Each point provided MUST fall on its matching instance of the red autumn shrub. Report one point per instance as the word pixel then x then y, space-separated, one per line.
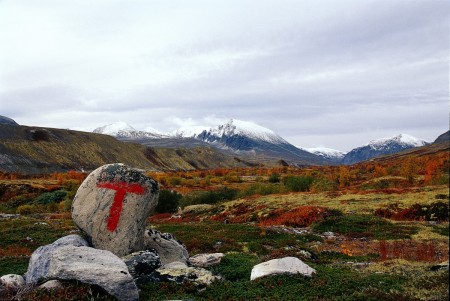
pixel 435 211
pixel 425 251
pixel 302 216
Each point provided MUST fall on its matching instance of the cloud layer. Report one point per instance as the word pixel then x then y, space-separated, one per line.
pixel 315 72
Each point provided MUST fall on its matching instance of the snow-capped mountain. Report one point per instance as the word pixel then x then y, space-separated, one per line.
pixel 239 128
pixel 246 137
pixel 327 153
pixel 380 147
pixel 123 130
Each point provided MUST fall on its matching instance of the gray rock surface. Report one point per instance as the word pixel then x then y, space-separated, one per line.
pixel 91 266
pixel 41 257
pixel 206 260
pixel 112 205
pixel 12 281
pixel 179 272
pixel 142 264
pixel 167 246
pixel 8 215
pixel 286 265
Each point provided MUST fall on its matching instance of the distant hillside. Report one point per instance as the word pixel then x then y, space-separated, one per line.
pixel 35 150
pixel 6 120
pixel 443 138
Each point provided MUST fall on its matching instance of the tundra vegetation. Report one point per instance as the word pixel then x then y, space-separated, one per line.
pixel 373 231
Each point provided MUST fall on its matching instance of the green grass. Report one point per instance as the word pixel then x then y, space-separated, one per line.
pixel 442 230
pixel 364 225
pixel 219 237
pixel 328 284
pixel 13 265
pixel 14 232
pixel 236 266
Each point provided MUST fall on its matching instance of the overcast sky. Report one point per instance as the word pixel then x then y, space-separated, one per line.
pixel 319 73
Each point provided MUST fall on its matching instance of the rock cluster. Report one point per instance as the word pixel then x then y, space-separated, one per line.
pixel 116 251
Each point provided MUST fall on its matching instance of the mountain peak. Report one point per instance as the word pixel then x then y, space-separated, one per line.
pixel 125 131
pixel 245 128
pixel 401 139
pixel 326 152
pixel 115 128
pixel 384 146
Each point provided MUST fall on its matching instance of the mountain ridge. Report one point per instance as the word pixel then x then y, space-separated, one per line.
pixel 381 147
pixel 38 150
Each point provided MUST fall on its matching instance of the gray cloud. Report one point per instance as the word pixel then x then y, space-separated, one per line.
pixel 315 72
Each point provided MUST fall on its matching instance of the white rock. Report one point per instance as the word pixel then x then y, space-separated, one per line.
pixel 12 281
pixel 286 265
pixel 112 205
pixel 206 260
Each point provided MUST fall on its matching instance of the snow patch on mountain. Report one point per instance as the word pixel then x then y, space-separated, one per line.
pixel 244 128
pixel 325 152
pixel 189 131
pixel 122 129
pixel 115 128
pixel 401 139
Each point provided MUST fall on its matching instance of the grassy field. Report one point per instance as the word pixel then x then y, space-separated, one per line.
pixel 384 243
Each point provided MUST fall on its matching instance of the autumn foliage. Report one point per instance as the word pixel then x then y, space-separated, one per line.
pixel 302 216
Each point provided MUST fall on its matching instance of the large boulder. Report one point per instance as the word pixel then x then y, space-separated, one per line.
pixel 167 246
pixel 112 205
pixel 286 265
pixel 40 259
pixel 87 265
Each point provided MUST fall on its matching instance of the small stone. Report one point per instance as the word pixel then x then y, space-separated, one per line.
pixel 304 254
pixel 51 285
pixel 166 245
pixel 41 224
pixel 286 265
pixel 206 260
pixel 12 281
pixel 329 234
pixel 8 215
pixel 441 266
pixel 112 205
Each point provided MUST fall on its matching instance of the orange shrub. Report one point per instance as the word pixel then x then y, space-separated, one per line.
pixel 302 216
pixel 412 250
